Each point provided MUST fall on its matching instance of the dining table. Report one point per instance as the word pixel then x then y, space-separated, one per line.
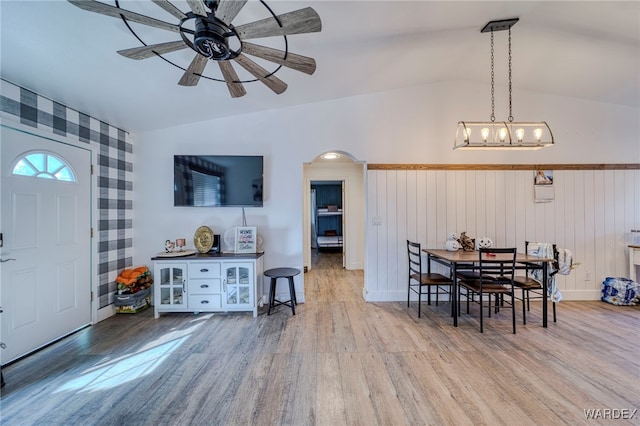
pixel 461 260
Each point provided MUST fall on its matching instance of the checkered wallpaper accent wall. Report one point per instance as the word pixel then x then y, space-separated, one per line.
pixel 114 174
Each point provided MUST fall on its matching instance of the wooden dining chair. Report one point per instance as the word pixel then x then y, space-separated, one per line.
pixel 420 281
pixel 495 280
pixel 528 285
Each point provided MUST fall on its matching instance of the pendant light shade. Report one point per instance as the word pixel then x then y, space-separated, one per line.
pixel 502 134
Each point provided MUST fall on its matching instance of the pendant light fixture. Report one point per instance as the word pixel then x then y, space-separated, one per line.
pixel 502 134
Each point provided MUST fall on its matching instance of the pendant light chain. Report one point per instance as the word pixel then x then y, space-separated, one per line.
pixel 493 100
pixel 510 107
pixel 504 133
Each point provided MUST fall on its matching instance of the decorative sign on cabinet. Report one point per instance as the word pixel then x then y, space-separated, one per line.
pixel 220 282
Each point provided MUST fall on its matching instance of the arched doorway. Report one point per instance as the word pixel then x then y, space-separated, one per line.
pixel 343 216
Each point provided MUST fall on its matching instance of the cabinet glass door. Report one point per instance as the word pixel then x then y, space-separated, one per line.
pixel 239 280
pixel 172 285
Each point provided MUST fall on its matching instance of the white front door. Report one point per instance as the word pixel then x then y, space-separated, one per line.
pixel 46 246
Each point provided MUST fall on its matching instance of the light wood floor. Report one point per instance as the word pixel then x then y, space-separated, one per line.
pixel 338 361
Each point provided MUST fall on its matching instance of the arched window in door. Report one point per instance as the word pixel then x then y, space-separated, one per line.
pixel 44 165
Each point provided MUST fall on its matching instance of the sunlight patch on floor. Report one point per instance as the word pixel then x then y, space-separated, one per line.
pixel 116 372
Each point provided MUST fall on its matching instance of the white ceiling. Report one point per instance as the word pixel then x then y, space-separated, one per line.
pixel 587 50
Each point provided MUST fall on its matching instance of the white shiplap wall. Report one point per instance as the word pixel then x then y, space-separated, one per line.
pixel 592 214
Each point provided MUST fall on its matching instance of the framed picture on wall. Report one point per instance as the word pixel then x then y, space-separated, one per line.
pixel 246 239
pixel 543 177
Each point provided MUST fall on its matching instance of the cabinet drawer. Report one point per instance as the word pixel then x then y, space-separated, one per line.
pixel 205 302
pixel 205 286
pixel 204 270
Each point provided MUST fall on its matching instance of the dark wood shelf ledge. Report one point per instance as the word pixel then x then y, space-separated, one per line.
pixel 380 166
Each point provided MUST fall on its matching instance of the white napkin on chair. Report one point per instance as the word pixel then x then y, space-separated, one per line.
pixel 565 261
pixel 545 250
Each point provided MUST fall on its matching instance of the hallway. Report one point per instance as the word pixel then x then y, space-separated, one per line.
pixel 329 282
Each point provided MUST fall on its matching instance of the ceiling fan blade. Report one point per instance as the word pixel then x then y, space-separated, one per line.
pixel 192 75
pixel 297 22
pixel 236 89
pixel 272 82
pixel 151 50
pixel 293 61
pixel 229 9
pixel 116 12
pixel 169 7
pixel 197 7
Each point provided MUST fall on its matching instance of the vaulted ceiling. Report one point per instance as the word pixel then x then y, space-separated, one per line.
pixel 588 50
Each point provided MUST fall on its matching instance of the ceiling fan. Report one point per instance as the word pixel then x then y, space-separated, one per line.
pixel 207 29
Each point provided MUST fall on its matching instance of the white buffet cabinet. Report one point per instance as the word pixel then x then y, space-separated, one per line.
pixel 224 282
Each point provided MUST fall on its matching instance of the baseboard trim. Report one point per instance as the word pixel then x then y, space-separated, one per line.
pixel 106 312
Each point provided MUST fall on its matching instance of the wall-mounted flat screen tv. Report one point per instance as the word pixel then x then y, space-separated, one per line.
pixel 217 180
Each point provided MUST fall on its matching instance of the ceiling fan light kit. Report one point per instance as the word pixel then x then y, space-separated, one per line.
pixel 211 40
pixel 508 134
pixel 215 38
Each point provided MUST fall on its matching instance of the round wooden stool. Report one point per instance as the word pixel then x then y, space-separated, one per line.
pixel 274 274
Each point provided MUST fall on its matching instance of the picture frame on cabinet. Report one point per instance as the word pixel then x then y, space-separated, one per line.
pixel 246 239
